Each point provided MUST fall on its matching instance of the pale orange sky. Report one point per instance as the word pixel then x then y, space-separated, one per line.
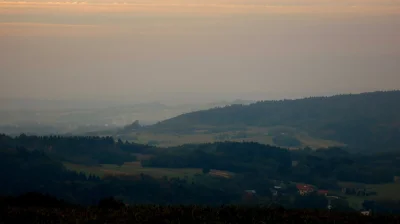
pixel 127 49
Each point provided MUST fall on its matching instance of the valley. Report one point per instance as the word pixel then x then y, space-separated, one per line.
pixel 229 154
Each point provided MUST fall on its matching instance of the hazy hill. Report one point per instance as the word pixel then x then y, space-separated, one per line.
pixel 367 120
pixel 57 117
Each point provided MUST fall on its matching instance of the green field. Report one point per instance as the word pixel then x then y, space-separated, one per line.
pixel 263 135
pixel 131 169
pixel 386 191
pixel 389 191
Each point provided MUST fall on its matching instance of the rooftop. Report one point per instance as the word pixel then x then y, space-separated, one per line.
pixel 323 191
pixel 304 187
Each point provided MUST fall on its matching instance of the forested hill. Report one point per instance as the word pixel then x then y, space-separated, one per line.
pixel 364 121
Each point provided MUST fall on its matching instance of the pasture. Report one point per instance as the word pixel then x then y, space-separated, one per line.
pixel 133 168
pixel 263 135
pixel 389 191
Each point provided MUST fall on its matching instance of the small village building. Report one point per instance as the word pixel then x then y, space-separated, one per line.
pixel 366 213
pixel 305 189
pixel 323 192
pixel 250 192
pixel 275 191
pixel 249 195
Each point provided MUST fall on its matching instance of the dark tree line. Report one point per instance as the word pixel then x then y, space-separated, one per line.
pixel 23 171
pixel 255 166
pixel 323 167
pixel 235 157
pixel 114 212
pixel 87 150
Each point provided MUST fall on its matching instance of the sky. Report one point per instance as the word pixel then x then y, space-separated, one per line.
pixel 194 50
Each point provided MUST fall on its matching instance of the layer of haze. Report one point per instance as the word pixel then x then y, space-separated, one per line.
pixel 193 50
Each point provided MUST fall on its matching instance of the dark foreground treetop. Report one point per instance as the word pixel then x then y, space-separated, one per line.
pixel 182 214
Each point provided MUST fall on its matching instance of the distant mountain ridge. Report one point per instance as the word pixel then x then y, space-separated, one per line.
pixel 363 121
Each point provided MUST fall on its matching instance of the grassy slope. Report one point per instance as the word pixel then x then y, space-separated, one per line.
pixel 202 135
pixel 389 191
pixel 131 169
pixel 368 120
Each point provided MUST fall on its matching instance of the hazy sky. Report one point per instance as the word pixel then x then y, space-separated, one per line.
pixel 181 49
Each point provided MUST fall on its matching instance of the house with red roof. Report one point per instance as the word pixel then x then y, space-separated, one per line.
pixel 304 189
pixel 322 192
pixel 249 195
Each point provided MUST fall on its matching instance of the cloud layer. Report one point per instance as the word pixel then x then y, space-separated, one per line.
pixel 24 17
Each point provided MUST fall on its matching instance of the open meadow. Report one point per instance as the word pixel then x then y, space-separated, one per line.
pixel 263 135
pixel 388 191
pixel 133 168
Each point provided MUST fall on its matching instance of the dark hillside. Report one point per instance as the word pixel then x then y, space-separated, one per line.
pixel 76 149
pixel 227 173
pixel 368 120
